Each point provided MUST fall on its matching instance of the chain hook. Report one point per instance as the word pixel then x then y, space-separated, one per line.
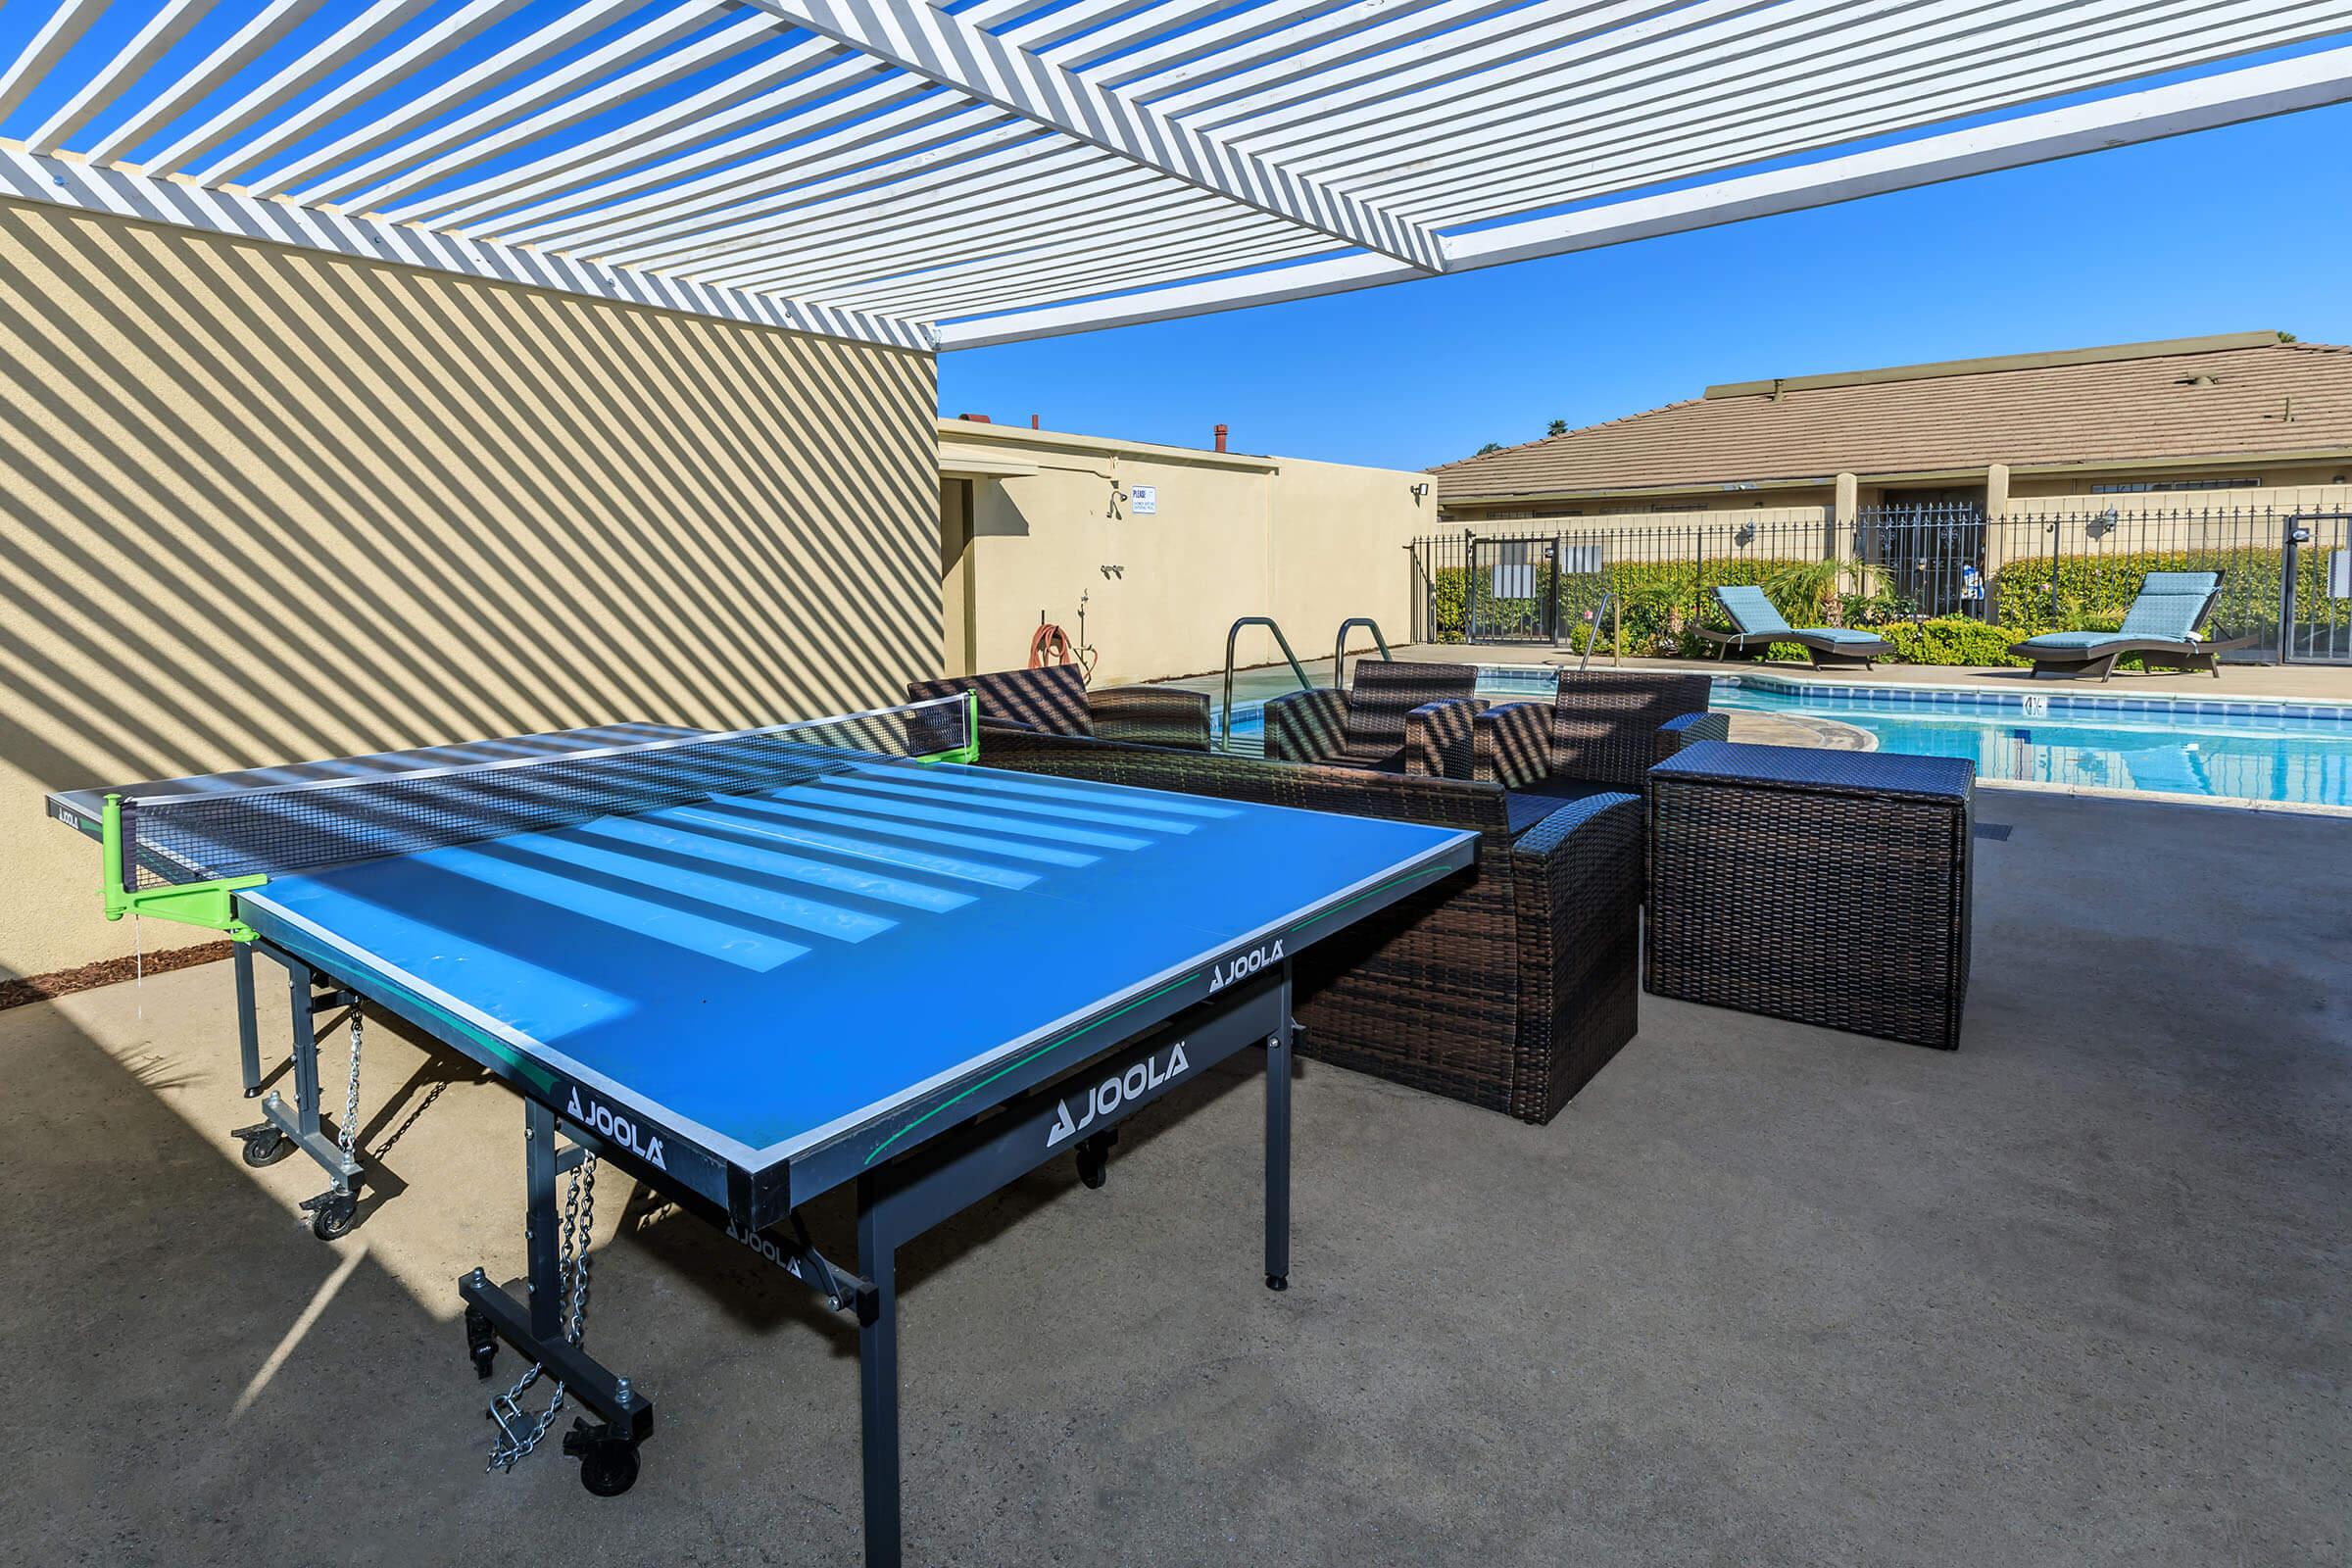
pixel 518 1431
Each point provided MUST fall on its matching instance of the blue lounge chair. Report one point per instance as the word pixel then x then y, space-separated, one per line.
pixel 1760 626
pixel 2161 627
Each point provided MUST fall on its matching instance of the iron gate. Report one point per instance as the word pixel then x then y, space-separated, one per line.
pixel 1510 591
pixel 1530 588
pixel 2315 611
pixel 1929 556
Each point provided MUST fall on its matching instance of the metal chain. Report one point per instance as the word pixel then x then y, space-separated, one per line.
pixel 347 1132
pixel 519 1433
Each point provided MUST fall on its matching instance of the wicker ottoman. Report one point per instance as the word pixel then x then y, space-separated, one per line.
pixel 1828 887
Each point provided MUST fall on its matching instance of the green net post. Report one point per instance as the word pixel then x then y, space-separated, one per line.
pixel 209 904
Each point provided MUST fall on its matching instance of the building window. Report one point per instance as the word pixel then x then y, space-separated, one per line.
pixel 2145 486
pixel 1678 505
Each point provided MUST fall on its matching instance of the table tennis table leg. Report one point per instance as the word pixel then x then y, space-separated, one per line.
pixel 287 1129
pixel 249 1029
pixel 541 1224
pixel 878 1374
pixel 1278 1146
pixel 306 1055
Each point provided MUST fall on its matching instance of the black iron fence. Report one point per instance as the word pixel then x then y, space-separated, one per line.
pixel 2029 571
pixel 1547 587
pixel 1930 569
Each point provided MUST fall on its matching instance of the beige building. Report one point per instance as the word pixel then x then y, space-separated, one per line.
pixel 2191 421
pixel 1162 548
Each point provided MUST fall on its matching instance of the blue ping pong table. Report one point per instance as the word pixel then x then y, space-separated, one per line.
pixel 919 979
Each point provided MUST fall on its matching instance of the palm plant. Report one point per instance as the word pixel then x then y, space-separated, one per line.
pixel 1809 594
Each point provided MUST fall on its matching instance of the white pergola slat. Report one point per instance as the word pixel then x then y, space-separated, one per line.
pixel 893 171
pixel 151 43
pixel 260 32
pixel 42 52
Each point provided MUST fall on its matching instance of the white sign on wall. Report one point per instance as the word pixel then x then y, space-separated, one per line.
pixel 1143 500
pixel 1514 581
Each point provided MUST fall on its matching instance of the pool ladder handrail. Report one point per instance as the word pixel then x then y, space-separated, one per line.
pixel 1233 636
pixel 1600 612
pixel 1338 651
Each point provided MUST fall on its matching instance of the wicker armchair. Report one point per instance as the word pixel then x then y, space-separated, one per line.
pixel 1394 718
pixel 1509 986
pixel 1055 701
pixel 1602 730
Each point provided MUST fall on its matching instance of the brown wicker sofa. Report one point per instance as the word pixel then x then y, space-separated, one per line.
pixel 1601 730
pixel 1054 699
pixel 1393 718
pixel 1507 987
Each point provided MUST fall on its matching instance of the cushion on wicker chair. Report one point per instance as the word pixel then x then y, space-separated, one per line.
pixel 2167 608
pixel 1052 699
pixel 1381 697
pixel 1756 616
pixel 2170 604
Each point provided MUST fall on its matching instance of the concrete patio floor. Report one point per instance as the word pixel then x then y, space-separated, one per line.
pixel 1763 1294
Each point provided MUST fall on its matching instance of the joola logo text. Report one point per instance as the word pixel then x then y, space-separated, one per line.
pixel 600 1121
pixel 1241 968
pixel 1106 1097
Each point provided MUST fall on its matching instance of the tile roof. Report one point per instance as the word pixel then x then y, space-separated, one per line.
pixel 2127 406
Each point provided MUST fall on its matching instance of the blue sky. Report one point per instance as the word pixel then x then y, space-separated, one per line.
pixel 2226 231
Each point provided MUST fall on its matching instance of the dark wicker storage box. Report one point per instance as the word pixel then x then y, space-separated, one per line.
pixel 1828 887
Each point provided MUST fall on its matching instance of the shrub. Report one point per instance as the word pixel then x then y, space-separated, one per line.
pixel 1949 640
pixel 2086 593
pixel 1656 599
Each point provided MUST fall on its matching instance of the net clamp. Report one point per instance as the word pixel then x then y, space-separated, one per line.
pixel 209 904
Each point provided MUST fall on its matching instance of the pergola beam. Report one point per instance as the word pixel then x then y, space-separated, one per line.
pixel 941 47
pixel 2228 98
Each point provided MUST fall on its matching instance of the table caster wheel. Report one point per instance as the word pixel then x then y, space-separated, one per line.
pixel 481 1342
pixel 1278 1282
pixel 332 1216
pixel 607 1463
pixel 264 1144
pixel 1094 1158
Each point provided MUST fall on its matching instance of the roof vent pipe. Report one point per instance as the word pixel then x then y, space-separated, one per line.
pixel 1220 434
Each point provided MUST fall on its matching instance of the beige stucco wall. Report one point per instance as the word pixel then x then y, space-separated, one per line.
pixel 1307 543
pixel 260 505
pixel 2282 489
pixel 1616 513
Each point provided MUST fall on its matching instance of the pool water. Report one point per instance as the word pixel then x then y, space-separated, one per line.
pixel 2239 751
pixel 2222 749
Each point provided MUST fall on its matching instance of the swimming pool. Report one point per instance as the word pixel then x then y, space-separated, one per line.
pixel 2219 748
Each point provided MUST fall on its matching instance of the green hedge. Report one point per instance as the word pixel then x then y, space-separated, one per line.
pixel 1654 603
pixel 2084 592
pixel 1657 602
pixel 1949 640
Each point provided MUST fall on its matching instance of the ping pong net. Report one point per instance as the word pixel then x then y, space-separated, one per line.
pixel 239 834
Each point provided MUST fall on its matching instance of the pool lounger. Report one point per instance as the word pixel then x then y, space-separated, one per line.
pixel 1760 626
pixel 2161 627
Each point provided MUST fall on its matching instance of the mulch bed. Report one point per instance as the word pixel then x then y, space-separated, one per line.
pixel 106 972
